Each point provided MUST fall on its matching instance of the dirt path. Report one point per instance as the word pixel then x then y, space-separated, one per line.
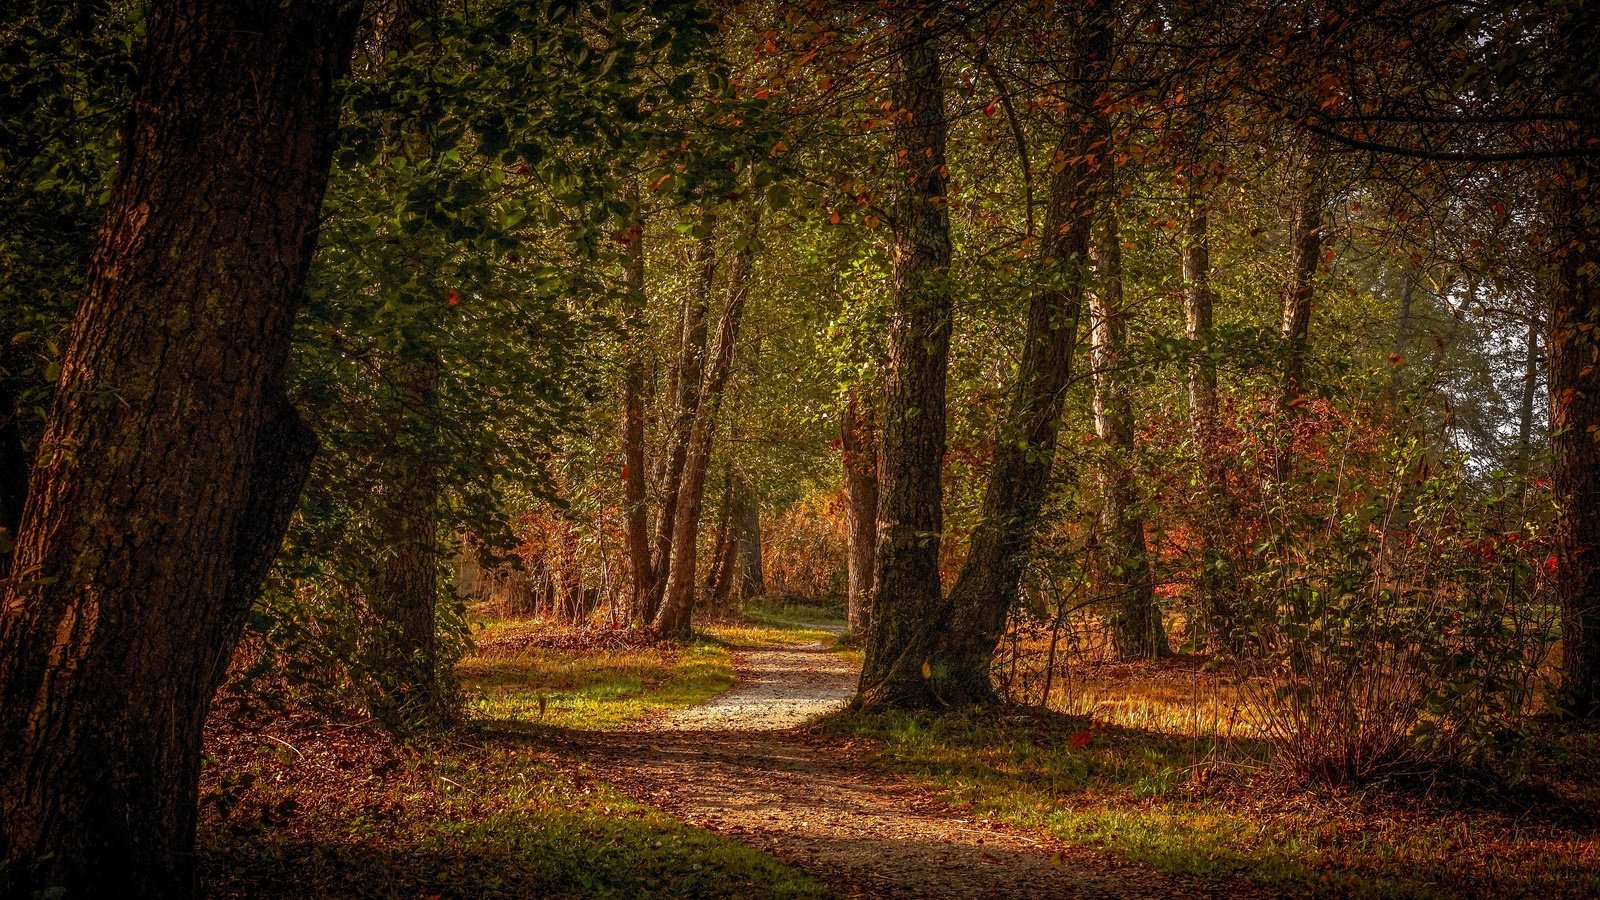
pixel 740 766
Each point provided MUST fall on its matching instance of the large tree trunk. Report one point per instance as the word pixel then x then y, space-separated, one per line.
pixel 908 607
pixel 990 578
pixel 677 606
pixel 1125 577
pixel 858 435
pixel 144 545
pixel 636 508
pixel 1574 375
pixel 13 475
pixel 687 380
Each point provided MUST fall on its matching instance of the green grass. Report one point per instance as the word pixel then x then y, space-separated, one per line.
pixel 592 689
pixel 1194 807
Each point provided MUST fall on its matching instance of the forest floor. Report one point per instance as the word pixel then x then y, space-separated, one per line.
pixel 601 764
pixel 743 766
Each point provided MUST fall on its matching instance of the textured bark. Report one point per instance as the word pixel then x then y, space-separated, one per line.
pixel 908 602
pixel 858 434
pixel 13 475
pixel 1124 570
pixel 1574 375
pixel 687 380
pixel 636 509
pixel 677 605
pixel 404 591
pixel 745 539
pixel 987 587
pixel 1214 589
pixel 172 460
pixel 1298 294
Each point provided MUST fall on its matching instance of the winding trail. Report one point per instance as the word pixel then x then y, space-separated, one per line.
pixel 741 765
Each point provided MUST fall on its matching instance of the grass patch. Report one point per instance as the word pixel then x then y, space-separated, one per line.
pixel 591 689
pixel 1197 806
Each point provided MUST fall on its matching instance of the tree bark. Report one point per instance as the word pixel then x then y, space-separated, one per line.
pixel 636 509
pixel 909 609
pixel 1298 294
pixel 1213 587
pixel 745 537
pixel 987 587
pixel 677 606
pixel 405 587
pixel 858 434
pixel 13 475
pixel 172 459
pixel 1574 378
pixel 1136 629
pixel 687 378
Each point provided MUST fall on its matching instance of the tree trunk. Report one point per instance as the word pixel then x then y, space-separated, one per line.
pixel 636 511
pixel 1574 376
pixel 13 475
pixel 1214 588
pixel 145 545
pixel 745 537
pixel 1019 477
pixel 687 380
pixel 677 606
pixel 908 604
pixel 858 434
pixel 724 552
pixel 1530 389
pixel 1136 629
pixel 1298 294
pixel 404 591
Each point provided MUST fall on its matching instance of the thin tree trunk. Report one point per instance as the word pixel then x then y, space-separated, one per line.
pixel 636 531
pixel 987 587
pixel 677 606
pixel 723 549
pixel 909 609
pixel 858 434
pixel 151 537
pixel 1530 389
pixel 687 380
pixel 1301 289
pixel 1213 587
pixel 1136 629
pixel 745 536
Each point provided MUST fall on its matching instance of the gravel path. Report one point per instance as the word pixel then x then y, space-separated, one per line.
pixel 740 766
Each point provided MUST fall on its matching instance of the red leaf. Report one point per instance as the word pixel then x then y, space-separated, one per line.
pixel 1080 740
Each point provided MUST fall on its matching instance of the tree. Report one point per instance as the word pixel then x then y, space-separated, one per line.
pixel 858 438
pixel 173 458
pixel 1126 580
pixel 677 606
pixel 988 584
pixel 908 601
